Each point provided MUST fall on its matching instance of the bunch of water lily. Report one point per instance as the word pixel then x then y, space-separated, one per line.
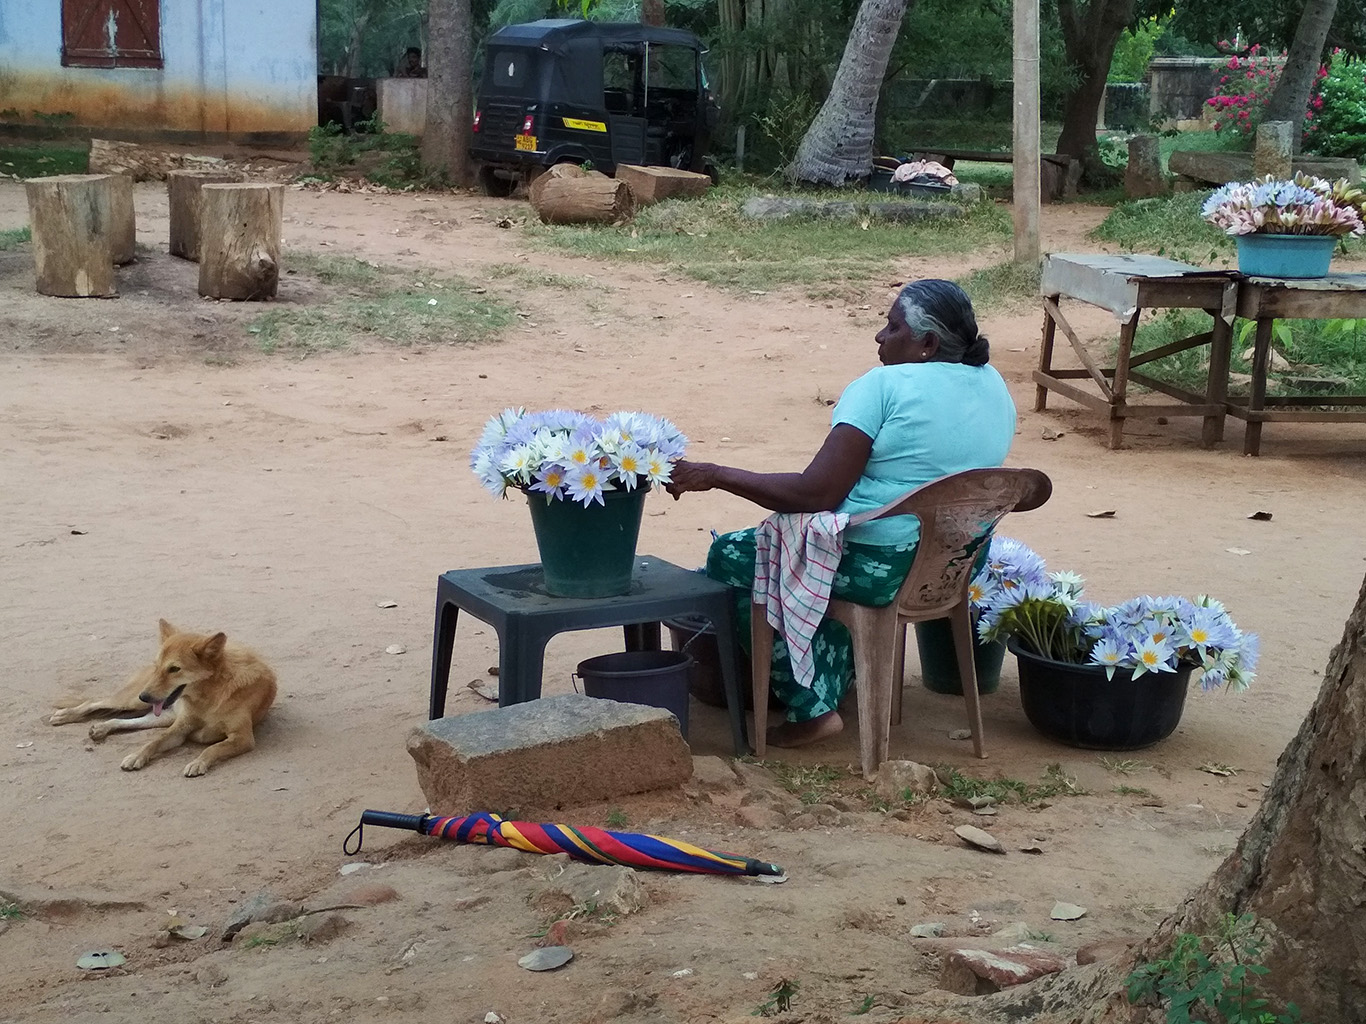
pixel 1015 598
pixel 1304 205
pixel 568 455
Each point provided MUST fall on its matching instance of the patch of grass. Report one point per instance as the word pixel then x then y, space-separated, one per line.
pixel 709 240
pixel 779 1000
pixel 545 279
pixel 347 271
pixel 387 158
pixel 12 238
pixel 1123 765
pixel 11 912
pixel 1002 284
pixel 257 941
pixel 865 1004
pixel 1168 226
pixel 1056 782
pixel 1327 357
pixel 616 818
pixel 42 161
pixel 1133 791
pixel 384 304
pixel 812 784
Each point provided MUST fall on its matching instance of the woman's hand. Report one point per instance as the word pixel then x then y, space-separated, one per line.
pixel 691 476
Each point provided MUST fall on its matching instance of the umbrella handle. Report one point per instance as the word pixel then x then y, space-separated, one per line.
pixel 385 819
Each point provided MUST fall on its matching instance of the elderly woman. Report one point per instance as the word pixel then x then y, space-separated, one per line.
pixel 933 407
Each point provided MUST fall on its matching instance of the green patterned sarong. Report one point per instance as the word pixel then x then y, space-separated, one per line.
pixel 868 574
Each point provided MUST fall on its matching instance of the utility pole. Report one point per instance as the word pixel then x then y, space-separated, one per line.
pixel 1026 141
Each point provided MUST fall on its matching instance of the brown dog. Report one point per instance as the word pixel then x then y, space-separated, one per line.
pixel 216 692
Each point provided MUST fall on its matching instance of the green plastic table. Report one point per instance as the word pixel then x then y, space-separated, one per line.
pixel 512 599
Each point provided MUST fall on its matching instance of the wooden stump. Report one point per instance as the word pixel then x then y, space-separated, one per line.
pixel 239 250
pixel 591 199
pixel 73 222
pixel 124 233
pixel 540 181
pixel 182 189
pixel 651 184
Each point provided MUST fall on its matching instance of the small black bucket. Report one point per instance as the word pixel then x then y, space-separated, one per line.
pixel 656 678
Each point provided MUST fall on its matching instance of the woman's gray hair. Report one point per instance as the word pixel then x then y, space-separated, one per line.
pixel 943 309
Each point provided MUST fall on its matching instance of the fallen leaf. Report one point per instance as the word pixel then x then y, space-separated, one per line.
pixel 1238 551
pixel 395 649
pixel 100 960
pixel 1101 513
pixel 1223 770
pixel 1261 517
pixel 1049 434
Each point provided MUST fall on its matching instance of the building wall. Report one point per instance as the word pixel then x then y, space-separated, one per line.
pixel 232 68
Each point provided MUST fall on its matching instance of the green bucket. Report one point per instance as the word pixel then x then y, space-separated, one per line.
pixel 939 659
pixel 588 551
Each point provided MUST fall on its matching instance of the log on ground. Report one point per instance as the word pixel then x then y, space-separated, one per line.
pixel 553 173
pixel 653 184
pixel 72 222
pixel 182 192
pixel 240 248
pixel 143 163
pixel 591 199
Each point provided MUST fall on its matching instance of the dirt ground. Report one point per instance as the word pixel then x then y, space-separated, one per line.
pixel 154 464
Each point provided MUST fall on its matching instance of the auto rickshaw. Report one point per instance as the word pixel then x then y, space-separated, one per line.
pixel 596 93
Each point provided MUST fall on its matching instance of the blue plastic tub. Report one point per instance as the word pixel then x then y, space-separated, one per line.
pixel 1293 256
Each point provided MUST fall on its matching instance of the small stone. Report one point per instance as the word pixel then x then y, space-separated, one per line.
pixel 322 927
pixel 1067 912
pixel 210 975
pixel 386 604
pixel 1242 803
pixel 547 958
pixel 711 775
pixel 264 907
pixel 898 779
pixel 982 840
pixel 960 734
pixel 493 1018
pixel 800 822
pixel 986 812
pixel 686 972
pixel 1034 848
pixel 1016 931
pixel 929 930
pixel 100 960
pixel 972 972
pixel 901 901
pixel 395 649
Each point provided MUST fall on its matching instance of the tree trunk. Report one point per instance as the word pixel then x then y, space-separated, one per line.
pixel 353 44
pixel 450 102
pixel 1090 32
pixel 652 12
pixel 1291 96
pixel 239 246
pixel 838 147
pixel 71 216
pixel 589 199
pixel 1300 868
pixel 183 195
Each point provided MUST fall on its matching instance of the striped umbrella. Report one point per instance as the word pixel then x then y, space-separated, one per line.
pixel 596 845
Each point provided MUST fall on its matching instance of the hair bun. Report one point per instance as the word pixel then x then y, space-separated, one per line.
pixel 978 353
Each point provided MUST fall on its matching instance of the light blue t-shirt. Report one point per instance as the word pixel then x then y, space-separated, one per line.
pixel 926 420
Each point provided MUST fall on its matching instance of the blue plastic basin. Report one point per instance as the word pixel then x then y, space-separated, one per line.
pixel 1294 256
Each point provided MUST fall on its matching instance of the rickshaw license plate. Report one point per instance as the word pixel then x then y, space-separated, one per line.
pixel 526 143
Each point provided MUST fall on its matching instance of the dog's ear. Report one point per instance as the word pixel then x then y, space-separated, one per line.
pixel 167 630
pixel 211 648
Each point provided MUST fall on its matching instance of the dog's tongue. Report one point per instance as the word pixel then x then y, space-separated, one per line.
pixel 156 707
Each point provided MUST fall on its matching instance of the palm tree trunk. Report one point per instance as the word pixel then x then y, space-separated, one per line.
pixel 838 147
pixel 1296 82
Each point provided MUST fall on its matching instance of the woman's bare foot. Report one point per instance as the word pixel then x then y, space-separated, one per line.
pixel 799 734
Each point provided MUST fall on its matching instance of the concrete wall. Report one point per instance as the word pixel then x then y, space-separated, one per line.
pixel 403 104
pixel 232 68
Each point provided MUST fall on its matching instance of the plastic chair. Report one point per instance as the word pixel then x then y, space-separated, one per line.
pixel 957 514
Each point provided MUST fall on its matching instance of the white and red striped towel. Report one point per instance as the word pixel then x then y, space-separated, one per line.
pixel 796 555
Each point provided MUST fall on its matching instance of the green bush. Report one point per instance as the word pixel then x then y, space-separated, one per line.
pixel 1338 125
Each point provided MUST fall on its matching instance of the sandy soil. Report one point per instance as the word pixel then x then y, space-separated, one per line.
pixel 166 469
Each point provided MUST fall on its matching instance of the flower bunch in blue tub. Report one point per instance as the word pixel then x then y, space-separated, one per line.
pixel 568 455
pixel 1014 597
pixel 1304 205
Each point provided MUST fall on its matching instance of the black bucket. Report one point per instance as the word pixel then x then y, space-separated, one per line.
pixel 656 678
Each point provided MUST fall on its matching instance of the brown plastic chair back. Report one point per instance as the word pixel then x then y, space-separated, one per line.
pixel 957 514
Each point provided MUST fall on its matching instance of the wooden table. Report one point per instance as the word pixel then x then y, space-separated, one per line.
pixel 1126 285
pixel 1265 300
